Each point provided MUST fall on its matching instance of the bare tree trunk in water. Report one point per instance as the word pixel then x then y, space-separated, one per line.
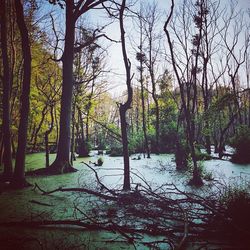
pixel 46 136
pixel 188 107
pixel 19 172
pixel 62 161
pixel 72 155
pixel 140 57
pixel 74 9
pixel 7 157
pixel 144 121
pixel 34 137
pixel 82 147
pixel 127 105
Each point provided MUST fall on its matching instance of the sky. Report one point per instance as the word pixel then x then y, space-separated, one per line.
pixel 114 61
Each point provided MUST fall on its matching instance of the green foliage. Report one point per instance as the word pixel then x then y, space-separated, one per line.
pixel 200 156
pixel 202 172
pixel 136 142
pixel 221 103
pixel 206 175
pixel 168 121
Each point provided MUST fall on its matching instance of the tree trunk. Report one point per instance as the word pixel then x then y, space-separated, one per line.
pixel 57 127
pixel 19 172
pixel 89 107
pixel 206 98
pixel 7 157
pixel 13 147
pixel 154 95
pixel 82 147
pixel 144 121
pixel 186 97
pixel 34 137
pixel 126 181
pixel 144 126
pixel 62 161
pixel 46 137
pixel 127 105
pixel 72 155
pixel 1 148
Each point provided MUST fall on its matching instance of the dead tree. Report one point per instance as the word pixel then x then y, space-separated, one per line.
pixel 188 91
pixel 140 56
pixel 123 107
pixel 151 17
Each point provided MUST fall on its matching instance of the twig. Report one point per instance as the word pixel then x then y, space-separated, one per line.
pixel 41 203
pixel 98 180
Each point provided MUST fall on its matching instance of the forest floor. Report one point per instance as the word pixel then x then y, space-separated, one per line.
pixel 30 205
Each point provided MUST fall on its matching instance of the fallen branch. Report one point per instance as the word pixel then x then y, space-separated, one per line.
pixel 98 180
pixel 41 203
pixel 82 190
pixel 108 226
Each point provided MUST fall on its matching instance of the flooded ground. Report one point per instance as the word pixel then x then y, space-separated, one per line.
pixel 29 204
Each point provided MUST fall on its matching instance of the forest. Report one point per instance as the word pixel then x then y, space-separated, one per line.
pixel 124 124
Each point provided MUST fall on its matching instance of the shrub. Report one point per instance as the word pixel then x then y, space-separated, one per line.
pixel 116 151
pixel 241 143
pixel 236 202
pixel 100 161
pixel 202 156
pixel 208 176
pixel 231 219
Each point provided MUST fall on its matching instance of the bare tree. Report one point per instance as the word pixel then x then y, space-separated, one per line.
pixel 140 56
pixel 188 87
pixel 151 17
pixel 236 54
pixel 123 107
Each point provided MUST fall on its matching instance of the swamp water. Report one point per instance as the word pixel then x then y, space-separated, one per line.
pixel 24 204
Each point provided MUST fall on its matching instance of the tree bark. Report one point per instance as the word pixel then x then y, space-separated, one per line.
pixel 7 157
pixel 151 68
pixel 62 161
pixel 73 12
pixel 144 120
pixel 82 147
pixel 36 131
pixel 72 155
pixel 144 126
pixel 46 136
pixel 19 172
pixel 127 105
